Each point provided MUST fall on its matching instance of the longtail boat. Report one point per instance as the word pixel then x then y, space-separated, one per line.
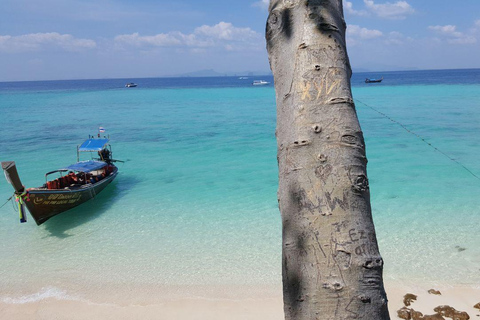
pixel 66 187
pixel 370 80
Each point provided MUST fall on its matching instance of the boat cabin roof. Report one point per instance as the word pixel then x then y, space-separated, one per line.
pixel 86 166
pixel 93 145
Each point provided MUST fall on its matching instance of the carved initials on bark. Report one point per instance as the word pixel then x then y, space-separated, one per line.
pixel 332 203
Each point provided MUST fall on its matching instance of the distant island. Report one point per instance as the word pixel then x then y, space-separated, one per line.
pixel 213 73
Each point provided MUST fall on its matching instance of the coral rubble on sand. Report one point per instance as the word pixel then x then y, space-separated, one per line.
pixel 442 312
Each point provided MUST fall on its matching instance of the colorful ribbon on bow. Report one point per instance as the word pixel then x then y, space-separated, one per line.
pixel 20 199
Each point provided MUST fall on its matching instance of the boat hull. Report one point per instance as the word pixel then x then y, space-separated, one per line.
pixel 44 204
pixel 373 80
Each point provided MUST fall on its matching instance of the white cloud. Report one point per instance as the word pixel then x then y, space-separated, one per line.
pixel 223 34
pixel 358 32
pixel 451 35
pixel 225 31
pixel 263 4
pixel 356 35
pixel 476 26
pixel 397 38
pixel 43 41
pixel 172 39
pixel 397 10
pixel 446 30
pixel 348 7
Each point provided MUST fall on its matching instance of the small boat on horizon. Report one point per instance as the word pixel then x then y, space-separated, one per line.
pixel 131 85
pixel 371 80
pixel 74 184
pixel 243 78
pixel 260 82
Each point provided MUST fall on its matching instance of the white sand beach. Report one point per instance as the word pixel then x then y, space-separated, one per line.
pixel 223 303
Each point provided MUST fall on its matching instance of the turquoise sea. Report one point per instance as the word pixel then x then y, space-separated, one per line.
pixel 195 201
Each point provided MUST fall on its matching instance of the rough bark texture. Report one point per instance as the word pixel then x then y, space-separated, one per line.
pixel 332 268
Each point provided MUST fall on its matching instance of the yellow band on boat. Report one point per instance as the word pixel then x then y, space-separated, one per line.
pixel 20 199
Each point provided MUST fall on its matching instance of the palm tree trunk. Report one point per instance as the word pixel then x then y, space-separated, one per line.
pixel 332 268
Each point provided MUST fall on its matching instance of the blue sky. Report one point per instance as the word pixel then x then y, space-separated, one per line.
pixel 85 39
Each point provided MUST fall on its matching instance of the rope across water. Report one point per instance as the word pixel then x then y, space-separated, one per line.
pixel 419 137
pixel 6 202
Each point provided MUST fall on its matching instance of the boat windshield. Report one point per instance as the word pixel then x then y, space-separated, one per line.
pixel 51 172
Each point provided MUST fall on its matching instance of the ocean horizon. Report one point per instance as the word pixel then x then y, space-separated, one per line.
pixel 195 203
pixel 249 75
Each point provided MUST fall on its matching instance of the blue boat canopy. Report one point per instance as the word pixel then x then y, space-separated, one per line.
pixel 86 166
pixel 93 145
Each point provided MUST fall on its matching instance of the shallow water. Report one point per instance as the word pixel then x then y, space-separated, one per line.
pixel 195 202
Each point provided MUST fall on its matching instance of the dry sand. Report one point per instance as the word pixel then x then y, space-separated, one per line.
pixel 249 305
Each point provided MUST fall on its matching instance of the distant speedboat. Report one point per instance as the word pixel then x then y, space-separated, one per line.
pixel 243 78
pixel 131 85
pixel 260 82
pixel 370 80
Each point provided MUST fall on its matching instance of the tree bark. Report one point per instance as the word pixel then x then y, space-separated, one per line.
pixel 332 268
